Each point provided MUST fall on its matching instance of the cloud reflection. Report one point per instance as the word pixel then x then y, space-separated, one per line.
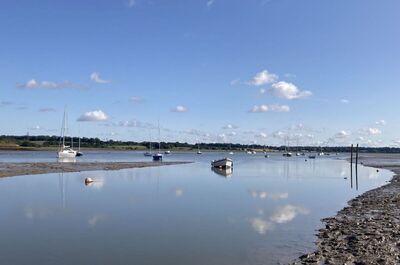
pixel 266 195
pixel 280 216
pixel 287 213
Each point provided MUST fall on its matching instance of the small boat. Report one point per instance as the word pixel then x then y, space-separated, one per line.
pixel 147 154
pixel 249 152
pixel 79 153
pixel 287 154
pixel 157 157
pixel 266 156
pixel 88 181
pixel 198 149
pixel 65 151
pixel 254 152
pixel 231 153
pixel 222 163
pixel 167 152
pixel 312 156
pixel 298 154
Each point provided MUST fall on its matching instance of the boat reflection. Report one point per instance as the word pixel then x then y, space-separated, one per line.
pixel 226 172
pixel 66 160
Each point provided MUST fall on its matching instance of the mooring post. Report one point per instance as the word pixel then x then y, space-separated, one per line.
pixel 357 167
pixel 351 166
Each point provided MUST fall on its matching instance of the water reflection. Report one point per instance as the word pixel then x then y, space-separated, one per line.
pixel 281 215
pixel 270 210
pixel 226 172
pixel 67 160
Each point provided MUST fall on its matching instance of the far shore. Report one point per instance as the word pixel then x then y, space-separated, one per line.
pixel 368 230
pixel 19 169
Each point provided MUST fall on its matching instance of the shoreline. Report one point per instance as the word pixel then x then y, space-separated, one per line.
pixel 36 168
pixel 367 231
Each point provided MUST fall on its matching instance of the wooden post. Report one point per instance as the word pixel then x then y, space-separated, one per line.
pixel 357 167
pixel 351 166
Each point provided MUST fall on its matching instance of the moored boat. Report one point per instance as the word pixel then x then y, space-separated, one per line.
pixel 222 163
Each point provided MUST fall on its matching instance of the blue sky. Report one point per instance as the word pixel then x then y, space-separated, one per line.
pixel 314 72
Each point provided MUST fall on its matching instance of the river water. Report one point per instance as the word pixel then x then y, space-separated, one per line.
pixel 266 211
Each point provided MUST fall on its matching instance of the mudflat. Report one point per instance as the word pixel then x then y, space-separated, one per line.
pixel 18 169
pixel 368 230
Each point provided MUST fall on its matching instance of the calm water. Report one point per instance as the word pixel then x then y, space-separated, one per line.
pixel 266 212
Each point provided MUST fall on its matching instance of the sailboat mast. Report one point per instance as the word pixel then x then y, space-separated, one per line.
pixel 159 140
pixel 63 129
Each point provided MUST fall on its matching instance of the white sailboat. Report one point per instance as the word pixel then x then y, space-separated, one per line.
pixel 158 156
pixel 198 149
pixel 65 151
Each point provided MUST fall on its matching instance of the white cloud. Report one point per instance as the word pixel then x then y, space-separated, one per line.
pixel 262 78
pixel 272 108
pixel 178 192
pixel 96 115
pixel 179 108
pixel 210 3
pixel 374 131
pixel 265 195
pixel 262 91
pixel 230 126
pixel 344 101
pixel 289 91
pixel 261 135
pixel 287 213
pixel 381 122
pixel 342 134
pixel 95 77
pixel 35 84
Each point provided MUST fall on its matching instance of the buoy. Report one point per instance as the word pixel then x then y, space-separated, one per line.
pixel 88 181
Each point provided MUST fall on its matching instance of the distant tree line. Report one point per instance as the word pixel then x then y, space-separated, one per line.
pixel 53 141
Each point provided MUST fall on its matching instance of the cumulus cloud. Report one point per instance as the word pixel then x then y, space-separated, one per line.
pixel 134 124
pixel 374 131
pixel 46 110
pixel 96 115
pixel 230 126
pixel 344 101
pixel 179 108
pixel 381 122
pixel 261 135
pixel 271 108
pixel 262 78
pixel 36 84
pixel 95 77
pixel 289 91
pixel 342 134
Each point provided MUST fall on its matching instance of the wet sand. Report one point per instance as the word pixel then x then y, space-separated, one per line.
pixel 18 169
pixel 368 230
